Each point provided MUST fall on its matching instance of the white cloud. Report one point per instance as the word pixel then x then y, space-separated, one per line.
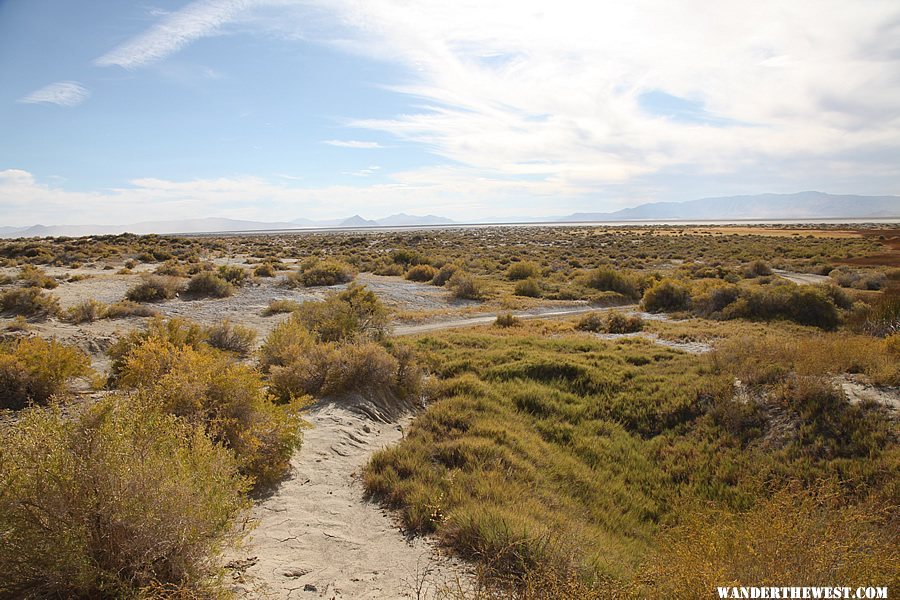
pixel 62 93
pixel 174 31
pixel 353 144
pixel 526 88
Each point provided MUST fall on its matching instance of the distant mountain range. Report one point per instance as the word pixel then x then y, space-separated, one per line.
pixel 802 205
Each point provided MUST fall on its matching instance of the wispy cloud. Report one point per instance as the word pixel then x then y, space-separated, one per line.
pixel 353 144
pixel 175 31
pixel 62 93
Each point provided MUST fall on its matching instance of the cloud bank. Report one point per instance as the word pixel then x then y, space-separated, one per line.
pixel 63 93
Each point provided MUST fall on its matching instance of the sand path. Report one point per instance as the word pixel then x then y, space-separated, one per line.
pixel 317 536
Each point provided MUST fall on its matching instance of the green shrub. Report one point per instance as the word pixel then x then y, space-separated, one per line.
pixel 86 312
pixel 711 301
pixel 607 279
pixel 326 272
pixel 666 295
pixel 465 287
pixel 231 337
pixel 523 270
pixel 209 285
pixel 530 288
pixel 807 305
pixel 155 288
pixel 233 274
pixel 114 501
pixel 30 302
pixel 421 273
pixel 351 313
pixel 33 370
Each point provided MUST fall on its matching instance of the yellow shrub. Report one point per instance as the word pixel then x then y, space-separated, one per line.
pixel 33 370
pixel 110 501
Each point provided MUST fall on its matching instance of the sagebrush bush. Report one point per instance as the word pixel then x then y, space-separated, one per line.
pixel 87 311
pixel 530 288
pixel 523 270
pixel 228 399
pixel 666 295
pixel 594 321
pixel 421 273
pixel 127 308
pixel 325 272
pixel 757 268
pixel 617 322
pixel 231 337
pixel 177 332
pixel 31 276
pixel 233 274
pixel 807 305
pixel 265 269
pixel 507 320
pixel 30 302
pixel 207 284
pixel 351 313
pixel 32 370
pixel 465 286
pixel 280 306
pixel 155 288
pixel 607 279
pixel 116 500
pixel 444 274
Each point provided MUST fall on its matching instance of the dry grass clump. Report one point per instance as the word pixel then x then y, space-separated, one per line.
pixel 881 317
pixel 208 389
pixel 771 358
pixel 207 284
pixel 31 276
pixel 30 302
pixel 507 320
pixel 231 337
pixel 116 500
pixel 280 306
pixel 444 274
pixel 265 269
pixel 421 273
pixel 807 538
pixel 32 370
pixel 155 288
pixel 323 273
pixel 86 312
pixel 127 308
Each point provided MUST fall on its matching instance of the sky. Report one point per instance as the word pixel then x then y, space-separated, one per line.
pixel 116 112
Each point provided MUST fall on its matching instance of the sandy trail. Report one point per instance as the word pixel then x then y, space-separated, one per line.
pixel 803 278
pixel 317 537
pixel 487 318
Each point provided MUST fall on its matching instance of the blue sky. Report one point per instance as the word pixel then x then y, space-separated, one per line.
pixel 114 112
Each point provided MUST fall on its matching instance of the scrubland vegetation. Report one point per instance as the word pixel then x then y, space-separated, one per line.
pixel 564 458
